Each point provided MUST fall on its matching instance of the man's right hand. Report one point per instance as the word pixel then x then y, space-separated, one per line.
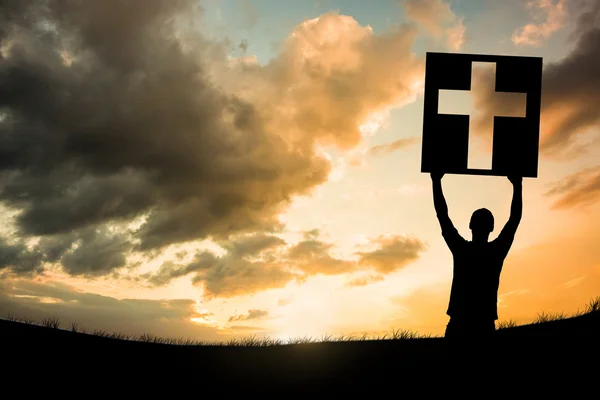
pixel 515 179
pixel 437 176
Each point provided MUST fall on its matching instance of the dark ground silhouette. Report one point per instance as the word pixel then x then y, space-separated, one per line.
pixel 567 345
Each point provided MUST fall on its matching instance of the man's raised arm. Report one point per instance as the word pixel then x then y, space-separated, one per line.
pixel 439 202
pixel 516 206
pixel 449 232
pixel 516 211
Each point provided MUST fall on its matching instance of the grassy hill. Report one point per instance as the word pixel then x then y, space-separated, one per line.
pixel 548 344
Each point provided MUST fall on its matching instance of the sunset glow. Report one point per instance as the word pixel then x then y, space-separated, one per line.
pixel 214 173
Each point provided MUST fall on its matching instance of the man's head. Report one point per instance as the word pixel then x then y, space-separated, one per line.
pixel 482 222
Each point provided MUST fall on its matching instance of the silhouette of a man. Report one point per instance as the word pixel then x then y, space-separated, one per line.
pixel 477 264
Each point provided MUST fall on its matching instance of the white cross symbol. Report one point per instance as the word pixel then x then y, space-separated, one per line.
pixel 461 102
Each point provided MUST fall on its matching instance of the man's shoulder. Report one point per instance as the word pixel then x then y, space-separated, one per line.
pixel 501 240
pixel 499 248
pixel 460 247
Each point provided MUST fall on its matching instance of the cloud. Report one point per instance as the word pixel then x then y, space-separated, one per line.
pixel 284 301
pixel 252 314
pixel 250 265
pixel 252 244
pixel 570 91
pixel 456 36
pixel 571 87
pixel 438 20
pixel 573 282
pixel 392 253
pixel 576 190
pixel 86 252
pixel 19 258
pixel 233 277
pixel 166 318
pixel 313 257
pixel 204 315
pixel 253 263
pixel 112 114
pixel 244 328
pixel 387 148
pixel 96 252
pixel 364 280
pixel 272 263
pixel 551 15
pixel 330 77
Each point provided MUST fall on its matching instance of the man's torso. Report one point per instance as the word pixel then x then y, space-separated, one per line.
pixel 474 292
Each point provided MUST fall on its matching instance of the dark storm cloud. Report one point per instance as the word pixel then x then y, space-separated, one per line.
pixel 52 207
pixel 170 270
pixel 97 252
pixel 252 245
pixel 18 258
pixel 89 251
pixel 572 100
pixel 107 116
pixel 572 85
pixel 570 88
pixel 116 112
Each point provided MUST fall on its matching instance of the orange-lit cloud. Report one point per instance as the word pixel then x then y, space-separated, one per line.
pixel 438 20
pixel 284 301
pixel 577 190
pixel 167 318
pixel 392 253
pixel 251 264
pixel 387 148
pixel 365 280
pixel 251 315
pixel 271 263
pixel 551 15
pixel 331 76
pixel 313 256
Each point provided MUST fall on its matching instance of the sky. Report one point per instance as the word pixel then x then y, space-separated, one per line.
pixel 216 169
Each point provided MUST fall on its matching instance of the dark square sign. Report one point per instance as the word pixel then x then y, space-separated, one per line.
pixel 515 143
